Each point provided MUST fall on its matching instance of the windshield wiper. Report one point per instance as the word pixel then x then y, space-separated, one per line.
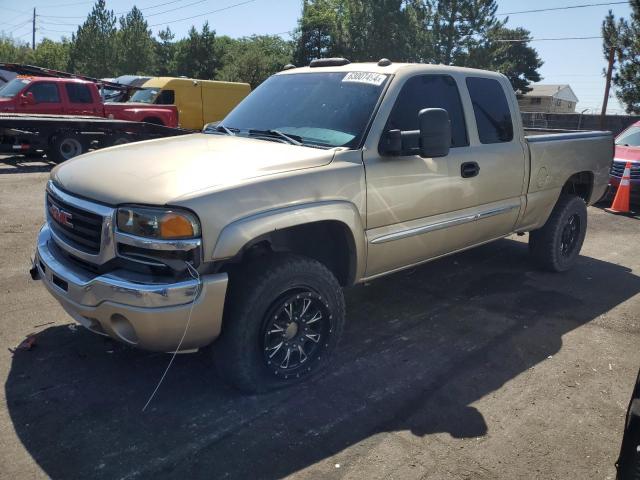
pixel 219 128
pixel 292 139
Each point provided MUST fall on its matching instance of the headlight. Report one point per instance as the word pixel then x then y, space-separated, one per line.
pixel 165 224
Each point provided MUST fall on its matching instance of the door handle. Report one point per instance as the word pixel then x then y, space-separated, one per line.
pixel 469 169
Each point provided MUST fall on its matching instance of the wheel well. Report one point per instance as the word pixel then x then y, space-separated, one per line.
pixel 580 184
pixel 329 242
pixel 154 120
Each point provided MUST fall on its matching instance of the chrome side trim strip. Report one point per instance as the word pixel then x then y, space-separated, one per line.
pixel 158 244
pixel 431 227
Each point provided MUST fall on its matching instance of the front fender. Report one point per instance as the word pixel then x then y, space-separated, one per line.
pixel 235 236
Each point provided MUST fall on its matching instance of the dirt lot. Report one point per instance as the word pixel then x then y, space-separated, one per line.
pixel 475 366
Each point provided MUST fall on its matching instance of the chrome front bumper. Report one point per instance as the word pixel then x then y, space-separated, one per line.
pixel 131 307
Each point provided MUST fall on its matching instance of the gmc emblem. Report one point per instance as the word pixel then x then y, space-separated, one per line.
pixel 60 216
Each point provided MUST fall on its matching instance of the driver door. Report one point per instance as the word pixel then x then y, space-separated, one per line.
pixel 421 208
pixel 47 99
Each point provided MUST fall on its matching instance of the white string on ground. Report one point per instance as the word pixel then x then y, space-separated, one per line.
pixel 196 276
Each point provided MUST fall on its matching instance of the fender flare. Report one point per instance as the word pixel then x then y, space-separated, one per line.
pixel 235 236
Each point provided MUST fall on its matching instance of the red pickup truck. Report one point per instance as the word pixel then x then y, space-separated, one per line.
pixel 68 96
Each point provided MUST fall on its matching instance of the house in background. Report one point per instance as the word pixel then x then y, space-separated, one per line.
pixel 548 98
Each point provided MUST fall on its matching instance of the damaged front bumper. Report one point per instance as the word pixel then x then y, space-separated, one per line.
pixel 131 307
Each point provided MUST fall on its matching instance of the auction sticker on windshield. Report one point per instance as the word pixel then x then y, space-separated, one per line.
pixel 369 78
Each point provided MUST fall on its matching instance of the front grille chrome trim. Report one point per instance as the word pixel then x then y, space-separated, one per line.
pixel 107 245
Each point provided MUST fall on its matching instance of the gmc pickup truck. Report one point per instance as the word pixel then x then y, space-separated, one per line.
pixel 68 96
pixel 324 177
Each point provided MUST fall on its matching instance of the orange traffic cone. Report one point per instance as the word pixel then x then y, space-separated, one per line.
pixel 621 201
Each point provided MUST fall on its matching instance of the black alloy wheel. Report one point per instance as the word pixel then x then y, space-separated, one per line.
pixel 295 333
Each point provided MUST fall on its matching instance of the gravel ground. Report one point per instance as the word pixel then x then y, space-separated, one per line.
pixel 474 366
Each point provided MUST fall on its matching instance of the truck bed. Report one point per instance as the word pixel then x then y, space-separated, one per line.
pixel 554 157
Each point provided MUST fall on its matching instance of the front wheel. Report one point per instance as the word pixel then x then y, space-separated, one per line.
pixel 556 246
pixel 284 317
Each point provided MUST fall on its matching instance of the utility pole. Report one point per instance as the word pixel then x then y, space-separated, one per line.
pixel 33 30
pixel 607 88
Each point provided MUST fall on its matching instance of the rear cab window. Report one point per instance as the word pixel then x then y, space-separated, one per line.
pixel 78 93
pixel 491 110
pixel 429 91
pixel 166 97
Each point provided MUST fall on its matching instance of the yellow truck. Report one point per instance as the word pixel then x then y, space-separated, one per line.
pixel 198 101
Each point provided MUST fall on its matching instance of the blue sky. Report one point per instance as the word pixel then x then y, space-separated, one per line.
pixel 576 62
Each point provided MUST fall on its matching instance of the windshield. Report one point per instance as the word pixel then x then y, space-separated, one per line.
pixel 628 138
pixel 146 95
pixel 321 109
pixel 12 88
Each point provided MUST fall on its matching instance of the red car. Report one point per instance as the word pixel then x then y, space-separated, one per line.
pixel 627 150
pixel 69 96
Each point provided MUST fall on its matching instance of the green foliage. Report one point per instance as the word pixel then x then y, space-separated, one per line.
pixel 624 37
pixel 165 53
pixel 196 55
pixel 376 29
pixel 253 59
pixel 136 45
pixel 318 34
pixel 51 54
pixel 451 32
pixel 93 46
pixel 460 26
pixel 457 32
pixel 517 60
pixel 12 51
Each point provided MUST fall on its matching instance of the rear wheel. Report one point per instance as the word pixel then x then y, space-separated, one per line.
pixel 64 147
pixel 284 317
pixel 556 246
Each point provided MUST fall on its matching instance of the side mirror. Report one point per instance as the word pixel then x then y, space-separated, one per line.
pixel 435 132
pixel 28 99
pixel 432 139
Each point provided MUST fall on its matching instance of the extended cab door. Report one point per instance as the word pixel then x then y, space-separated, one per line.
pixel 46 98
pixel 421 208
pixel 82 99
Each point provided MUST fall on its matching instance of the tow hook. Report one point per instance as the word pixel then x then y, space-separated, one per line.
pixel 34 272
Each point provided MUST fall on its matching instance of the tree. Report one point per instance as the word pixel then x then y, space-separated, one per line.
pixel 136 46
pixel 624 37
pixel 517 60
pixel 317 35
pixel 165 53
pixel 50 54
pixel 377 29
pixel 458 26
pixel 93 46
pixel 253 59
pixel 196 56
pixel 12 51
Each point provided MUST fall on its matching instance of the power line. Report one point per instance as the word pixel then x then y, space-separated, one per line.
pixel 19 25
pixel 525 40
pixel 205 13
pixel 65 4
pixel 568 7
pixel 177 8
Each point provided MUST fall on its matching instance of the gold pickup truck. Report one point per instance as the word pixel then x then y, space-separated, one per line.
pixel 323 177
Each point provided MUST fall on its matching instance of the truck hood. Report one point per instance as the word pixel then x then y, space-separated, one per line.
pixel 157 172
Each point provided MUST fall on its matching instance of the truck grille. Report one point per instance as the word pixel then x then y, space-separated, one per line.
pixel 83 229
pixel 617 170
